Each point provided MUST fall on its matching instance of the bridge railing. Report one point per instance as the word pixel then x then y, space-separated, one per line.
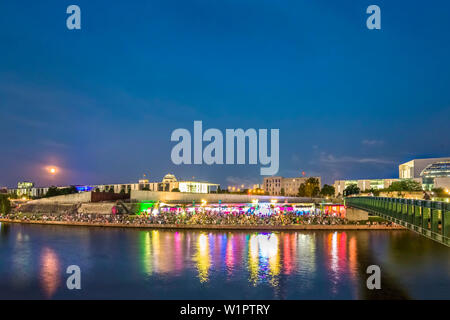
pixel 429 218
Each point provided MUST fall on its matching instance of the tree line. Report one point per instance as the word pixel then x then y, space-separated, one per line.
pixel 55 191
pixel 399 186
pixel 311 189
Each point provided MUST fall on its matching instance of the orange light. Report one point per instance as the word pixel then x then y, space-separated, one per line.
pixel 52 170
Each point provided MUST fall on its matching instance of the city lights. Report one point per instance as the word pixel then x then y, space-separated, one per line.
pixel 225 159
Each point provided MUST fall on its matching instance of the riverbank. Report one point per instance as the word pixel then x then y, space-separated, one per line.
pixel 211 227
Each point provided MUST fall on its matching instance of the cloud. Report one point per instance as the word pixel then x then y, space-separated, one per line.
pixel 331 159
pixel 369 142
pixel 53 144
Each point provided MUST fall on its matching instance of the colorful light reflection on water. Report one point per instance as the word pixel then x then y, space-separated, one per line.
pixel 163 264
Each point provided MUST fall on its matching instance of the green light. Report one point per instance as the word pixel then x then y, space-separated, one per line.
pixel 144 206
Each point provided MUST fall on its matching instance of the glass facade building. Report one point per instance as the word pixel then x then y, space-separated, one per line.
pixel 435 170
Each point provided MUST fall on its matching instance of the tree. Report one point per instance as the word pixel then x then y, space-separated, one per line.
pixel 405 185
pixel 302 190
pixel 351 189
pixel 282 191
pixel 310 188
pixel 175 190
pixel 327 191
pixel 440 192
pixel 375 192
pixel 55 191
pixel 52 192
pixel 70 190
pixel 5 204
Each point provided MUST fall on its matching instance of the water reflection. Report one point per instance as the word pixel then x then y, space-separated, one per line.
pixel 306 252
pixel 161 252
pixel 202 257
pixel 50 271
pixel 22 260
pixel 229 255
pixel 266 255
pixel 264 258
pixel 146 253
pixel 341 259
pixel 193 264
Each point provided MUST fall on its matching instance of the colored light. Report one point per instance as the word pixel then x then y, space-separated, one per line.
pixel 146 207
pixel 203 258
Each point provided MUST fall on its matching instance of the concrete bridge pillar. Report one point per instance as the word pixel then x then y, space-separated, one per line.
pixel 353 214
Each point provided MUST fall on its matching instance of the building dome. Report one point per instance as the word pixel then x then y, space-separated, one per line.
pixel 434 171
pixel 437 169
pixel 169 178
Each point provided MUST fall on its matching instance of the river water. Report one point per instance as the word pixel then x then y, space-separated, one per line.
pixel 119 263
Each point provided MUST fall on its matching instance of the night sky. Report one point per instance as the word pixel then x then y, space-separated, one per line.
pixel 100 103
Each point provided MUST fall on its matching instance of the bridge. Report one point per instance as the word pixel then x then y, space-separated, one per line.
pixel 428 218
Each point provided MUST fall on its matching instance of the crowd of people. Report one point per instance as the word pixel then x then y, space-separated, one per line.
pixel 194 218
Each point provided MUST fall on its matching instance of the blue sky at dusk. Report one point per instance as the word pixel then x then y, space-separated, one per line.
pixel 101 102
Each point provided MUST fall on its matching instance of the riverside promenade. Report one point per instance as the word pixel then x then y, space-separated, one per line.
pixel 213 226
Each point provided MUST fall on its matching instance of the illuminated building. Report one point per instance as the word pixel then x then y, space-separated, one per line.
pixel 27 189
pixel 436 175
pixel 413 169
pixel 168 183
pixel 84 188
pixel 431 173
pixel 24 188
pixel 275 186
pixel 260 209
pixel 363 184
pixel 336 210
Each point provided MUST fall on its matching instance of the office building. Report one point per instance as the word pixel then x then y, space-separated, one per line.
pixel 277 186
pixel 413 169
pixel 363 184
